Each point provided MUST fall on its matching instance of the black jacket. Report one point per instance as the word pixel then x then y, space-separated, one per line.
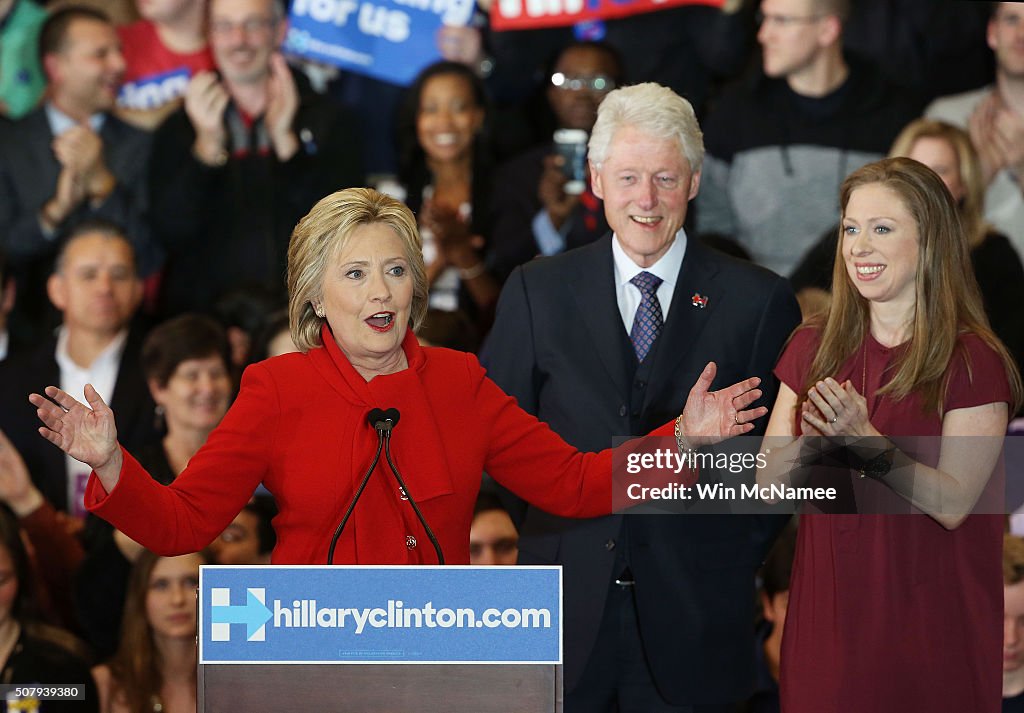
pixel 223 227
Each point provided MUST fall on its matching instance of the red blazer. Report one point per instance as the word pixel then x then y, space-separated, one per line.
pixel 299 426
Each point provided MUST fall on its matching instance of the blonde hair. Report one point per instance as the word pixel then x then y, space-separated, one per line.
pixel 948 302
pixel 972 208
pixel 654 110
pixel 323 233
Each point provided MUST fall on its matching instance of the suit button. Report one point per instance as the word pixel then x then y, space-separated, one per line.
pixel 641 384
pixel 622 410
pixel 609 545
pixel 410 542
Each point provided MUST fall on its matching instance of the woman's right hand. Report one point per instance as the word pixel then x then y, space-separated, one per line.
pixel 86 433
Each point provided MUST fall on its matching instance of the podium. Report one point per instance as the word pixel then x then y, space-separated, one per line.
pixel 380 639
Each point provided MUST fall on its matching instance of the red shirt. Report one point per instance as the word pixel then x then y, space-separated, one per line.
pixel 155 75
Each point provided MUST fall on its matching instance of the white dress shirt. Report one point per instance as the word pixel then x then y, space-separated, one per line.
pixel 102 374
pixel 667 268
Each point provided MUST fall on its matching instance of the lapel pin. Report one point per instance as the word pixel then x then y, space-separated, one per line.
pixel 699 300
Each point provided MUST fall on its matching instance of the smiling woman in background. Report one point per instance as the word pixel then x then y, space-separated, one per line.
pixel 445 165
pixel 948 151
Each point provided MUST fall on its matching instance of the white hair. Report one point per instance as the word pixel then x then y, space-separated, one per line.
pixel 653 109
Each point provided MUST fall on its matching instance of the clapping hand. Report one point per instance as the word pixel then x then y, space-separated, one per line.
pixel 205 102
pixel 713 416
pixel 838 410
pixel 86 433
pixel 80 149
pixel 455 243
pixel 282 103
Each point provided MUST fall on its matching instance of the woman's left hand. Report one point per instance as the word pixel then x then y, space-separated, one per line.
pixel 839 410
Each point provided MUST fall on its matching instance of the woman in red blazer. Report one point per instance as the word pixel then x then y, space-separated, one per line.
pixel 357 290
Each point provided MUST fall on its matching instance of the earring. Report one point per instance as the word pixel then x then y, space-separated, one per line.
pixel 158 418
pixel 318 310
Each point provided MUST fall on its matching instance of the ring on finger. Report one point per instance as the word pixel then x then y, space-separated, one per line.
pixel 833 419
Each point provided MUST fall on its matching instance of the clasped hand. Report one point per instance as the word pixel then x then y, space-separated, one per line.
pixel 833 409
pixel 456 244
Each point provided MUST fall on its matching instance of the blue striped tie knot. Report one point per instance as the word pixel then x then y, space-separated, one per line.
pixel 648 321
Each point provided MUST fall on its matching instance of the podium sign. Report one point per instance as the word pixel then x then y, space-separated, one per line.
pixel 380 615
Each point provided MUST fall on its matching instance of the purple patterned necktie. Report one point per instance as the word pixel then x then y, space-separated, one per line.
pixel 648 320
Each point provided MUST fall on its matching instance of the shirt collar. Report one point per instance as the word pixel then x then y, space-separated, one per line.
pixel 667 267
pixel 111 354
pixel 61 122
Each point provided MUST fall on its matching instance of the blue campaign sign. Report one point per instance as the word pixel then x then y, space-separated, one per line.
pixel 386 39
pixel 320 614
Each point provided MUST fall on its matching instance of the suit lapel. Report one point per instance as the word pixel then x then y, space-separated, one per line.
pixel 592 286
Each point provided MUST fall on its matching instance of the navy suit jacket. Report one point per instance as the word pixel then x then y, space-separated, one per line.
pixel 28 179
pixel 33 370
pixel 557 347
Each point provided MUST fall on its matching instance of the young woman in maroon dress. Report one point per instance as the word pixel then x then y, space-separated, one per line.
pixel 897 612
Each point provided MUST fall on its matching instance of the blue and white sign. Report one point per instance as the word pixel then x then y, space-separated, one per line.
pixel 386 39
pixel 320 614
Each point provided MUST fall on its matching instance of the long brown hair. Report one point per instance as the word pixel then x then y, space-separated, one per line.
pixel 136 668
pixel 948 302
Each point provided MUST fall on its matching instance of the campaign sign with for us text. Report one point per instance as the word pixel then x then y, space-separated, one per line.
pixel 353 614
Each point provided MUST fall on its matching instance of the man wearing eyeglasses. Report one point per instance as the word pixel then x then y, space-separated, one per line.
pixel 780 145
pixel 533 212
pixel 249 154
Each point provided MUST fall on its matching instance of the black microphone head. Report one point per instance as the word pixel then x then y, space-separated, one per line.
pixel 383 419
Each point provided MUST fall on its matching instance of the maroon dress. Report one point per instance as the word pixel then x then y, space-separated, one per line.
pixel 894 613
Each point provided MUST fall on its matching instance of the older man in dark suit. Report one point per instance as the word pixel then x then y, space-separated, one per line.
pixel 97 290
pixel 605 341
pixel 71 159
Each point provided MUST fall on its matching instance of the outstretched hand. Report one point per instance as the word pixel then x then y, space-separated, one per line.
pixel 713 416
pixel 86 433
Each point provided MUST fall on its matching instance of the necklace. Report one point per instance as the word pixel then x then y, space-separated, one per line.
pixel 864 373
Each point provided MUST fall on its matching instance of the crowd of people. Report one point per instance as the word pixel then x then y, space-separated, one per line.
pixel 800 220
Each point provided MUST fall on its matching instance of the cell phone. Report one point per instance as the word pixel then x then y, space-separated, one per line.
pixel 571 145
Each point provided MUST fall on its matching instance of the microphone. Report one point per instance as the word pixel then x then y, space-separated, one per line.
pixel 388 419
pixel 375 417
pixel 383 421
